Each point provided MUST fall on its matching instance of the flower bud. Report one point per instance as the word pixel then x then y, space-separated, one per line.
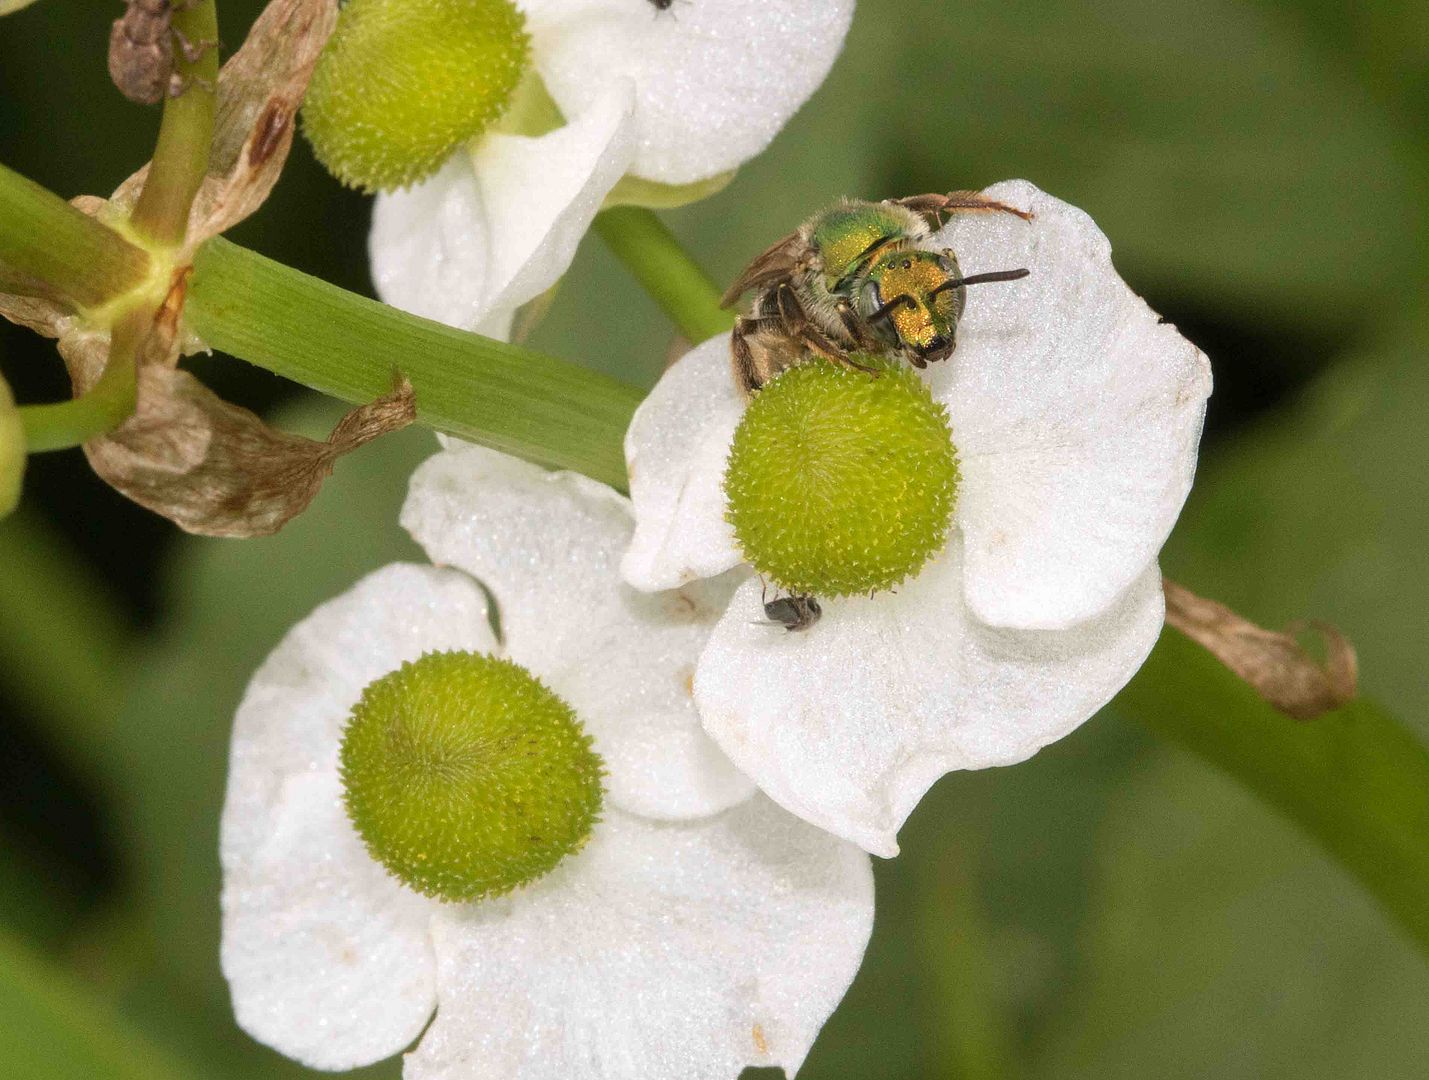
pixel 839 482
pixel 466 777
pixel 403 83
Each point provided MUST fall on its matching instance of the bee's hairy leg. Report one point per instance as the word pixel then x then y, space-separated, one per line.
pixel 801 328
pixel 941 206
pixel 854 365
pixel 856 329
pixel 742 357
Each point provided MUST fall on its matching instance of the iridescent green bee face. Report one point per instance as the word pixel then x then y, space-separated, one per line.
pixel 913 300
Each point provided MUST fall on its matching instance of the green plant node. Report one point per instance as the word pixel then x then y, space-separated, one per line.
pixel 838 482
pixel 403 83
pixel 466 777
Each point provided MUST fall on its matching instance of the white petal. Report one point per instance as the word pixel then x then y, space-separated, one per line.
pixel 328 958
pixel 676 449
pixel 542 194
pixel 429 247
pixel 662 952
pixel 548 547
pixel 499 224
pixel 1076 414
pixel 849 722
pixel 715 79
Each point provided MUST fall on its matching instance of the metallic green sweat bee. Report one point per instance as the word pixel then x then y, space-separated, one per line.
pixel 859 277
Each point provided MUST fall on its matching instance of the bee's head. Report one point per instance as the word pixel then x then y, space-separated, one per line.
pixel 914 299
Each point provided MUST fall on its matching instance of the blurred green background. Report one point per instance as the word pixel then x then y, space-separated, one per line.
pixel 1114 908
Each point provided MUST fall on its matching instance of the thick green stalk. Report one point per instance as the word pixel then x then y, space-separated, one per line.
pixel 46 239
pixel 501 395
pixel 185 133
pixel 651 253
pixel 1355 779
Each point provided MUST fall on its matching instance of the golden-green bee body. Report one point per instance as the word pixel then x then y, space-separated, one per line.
pixel 858 277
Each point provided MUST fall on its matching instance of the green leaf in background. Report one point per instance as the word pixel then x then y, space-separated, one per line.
pixel 1224 942
pixel 1385 44
pixel 1223 149
pixel 1325 511
pixel 51 1029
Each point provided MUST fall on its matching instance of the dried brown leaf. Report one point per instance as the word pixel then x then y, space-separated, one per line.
pixel 46 317
pixel 1274 664
pixel 217 469
pixel 259 91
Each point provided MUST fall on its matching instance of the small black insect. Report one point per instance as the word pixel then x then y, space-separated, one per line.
pixel 663 5
pixel 793 612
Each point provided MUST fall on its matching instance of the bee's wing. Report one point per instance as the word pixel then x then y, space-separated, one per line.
pixel 774 264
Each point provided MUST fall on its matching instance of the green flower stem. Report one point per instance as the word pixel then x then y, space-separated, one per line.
pixel 181 155
pixel 651 253
pixel 1354 779
pixel 46 239
pixel 501 395
pixel 64 643
pixel 104 406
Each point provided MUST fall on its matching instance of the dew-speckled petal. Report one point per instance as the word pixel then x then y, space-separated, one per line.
pixel 714 80
pixel 675 450
pixel 849 722
pixel 1076 412
pixel 499 223
pixel 661 952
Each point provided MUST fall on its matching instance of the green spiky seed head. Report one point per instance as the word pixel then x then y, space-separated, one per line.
pixel 403 83
pixel 466 777
pixel 839 483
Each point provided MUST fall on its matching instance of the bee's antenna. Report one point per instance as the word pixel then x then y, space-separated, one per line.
pixel 980 279
pixel 892 305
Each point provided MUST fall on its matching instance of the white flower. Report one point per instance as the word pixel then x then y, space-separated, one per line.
pixel 1076 414
pixel 674 96
pixel 676 949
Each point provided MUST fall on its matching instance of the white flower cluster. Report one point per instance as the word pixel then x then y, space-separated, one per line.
pixel 721 906
pixel 701 928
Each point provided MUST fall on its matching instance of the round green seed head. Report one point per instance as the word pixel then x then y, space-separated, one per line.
pixel 466 777
pixel 839 483
pixel 403 83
